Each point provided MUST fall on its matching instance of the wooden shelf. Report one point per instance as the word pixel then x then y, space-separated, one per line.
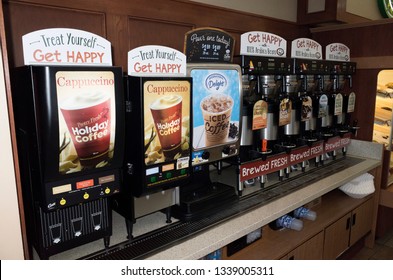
pixel 276 244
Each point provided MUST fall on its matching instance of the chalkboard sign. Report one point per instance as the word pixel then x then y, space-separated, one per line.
pixel 209 45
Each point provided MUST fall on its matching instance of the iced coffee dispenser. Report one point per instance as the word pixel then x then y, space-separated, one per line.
pixel 216 120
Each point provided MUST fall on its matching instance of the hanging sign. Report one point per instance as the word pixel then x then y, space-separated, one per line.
pixel 66 46
pixel 209 45
pixel 306 48
pixel 258 43
pixel 154 60
pixel 337 52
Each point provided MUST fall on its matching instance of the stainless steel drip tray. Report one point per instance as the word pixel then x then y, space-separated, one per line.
pixel 157 240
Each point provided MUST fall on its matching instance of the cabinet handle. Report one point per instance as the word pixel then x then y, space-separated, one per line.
pixel 354 219
pixel 348 223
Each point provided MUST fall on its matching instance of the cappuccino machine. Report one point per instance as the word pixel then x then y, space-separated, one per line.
pixel 68 105
pixel 216 121
pixel 288 116
pixel 158 133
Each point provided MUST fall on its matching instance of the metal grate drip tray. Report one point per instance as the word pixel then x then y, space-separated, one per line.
pixel 167 236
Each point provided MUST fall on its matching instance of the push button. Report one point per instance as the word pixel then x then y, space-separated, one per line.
pixel 153 179
pixel 63 202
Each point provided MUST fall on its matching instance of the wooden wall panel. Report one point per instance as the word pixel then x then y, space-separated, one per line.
pixel 23 18
pixel 128 24
pixel 165 33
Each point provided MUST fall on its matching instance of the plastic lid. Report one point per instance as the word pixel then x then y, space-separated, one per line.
pixel 310 215
pixel 296 224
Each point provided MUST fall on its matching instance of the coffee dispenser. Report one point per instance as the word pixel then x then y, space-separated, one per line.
pixel 158 136
pixel 263 110
pixel 216 126
pixel 70 133
pixel 345 72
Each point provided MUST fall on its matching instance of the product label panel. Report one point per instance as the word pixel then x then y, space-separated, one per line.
pixel 87 119
pixel 166 121
pixel 216 107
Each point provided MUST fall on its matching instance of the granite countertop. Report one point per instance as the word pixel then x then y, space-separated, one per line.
pixel 222 234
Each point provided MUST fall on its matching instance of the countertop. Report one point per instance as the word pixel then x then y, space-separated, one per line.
pixel 224 233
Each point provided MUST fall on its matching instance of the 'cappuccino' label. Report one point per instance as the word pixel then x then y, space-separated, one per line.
pixel 87 119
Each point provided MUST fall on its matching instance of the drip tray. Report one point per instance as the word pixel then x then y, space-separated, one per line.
pixel 154 241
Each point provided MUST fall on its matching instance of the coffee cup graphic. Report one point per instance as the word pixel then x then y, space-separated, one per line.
pixel 167 117
pixel 88 119
pixel 216 112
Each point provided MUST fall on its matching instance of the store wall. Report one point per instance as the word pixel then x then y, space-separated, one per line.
pixel 283 9
pixel 11 238
pixel 126 25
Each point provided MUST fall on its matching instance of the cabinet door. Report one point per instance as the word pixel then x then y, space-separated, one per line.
pixel 312 249
pixel 337 238
pixel 361 222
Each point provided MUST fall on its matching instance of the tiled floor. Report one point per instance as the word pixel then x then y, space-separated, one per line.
pixel 383 249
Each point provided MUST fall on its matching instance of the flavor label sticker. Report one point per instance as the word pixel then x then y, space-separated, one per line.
pixel 338 104
pixel 265 44
pixel 87 120
pixel 65 46
pixel 285 112
pixel 216 107
pixel 153 60
pixel 323 106
pixel 306 108
pixel 351 102
pixel 259 117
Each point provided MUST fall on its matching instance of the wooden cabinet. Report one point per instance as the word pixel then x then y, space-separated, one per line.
pixel 336 238
pixel 312 249
pixel 348 230
pixel 361 221
pixel 341 222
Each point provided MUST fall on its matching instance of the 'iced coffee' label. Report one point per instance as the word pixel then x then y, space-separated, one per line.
pixel 216 107
pixel 65 46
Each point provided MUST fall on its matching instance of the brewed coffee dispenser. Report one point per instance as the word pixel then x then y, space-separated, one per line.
pixel 338 55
